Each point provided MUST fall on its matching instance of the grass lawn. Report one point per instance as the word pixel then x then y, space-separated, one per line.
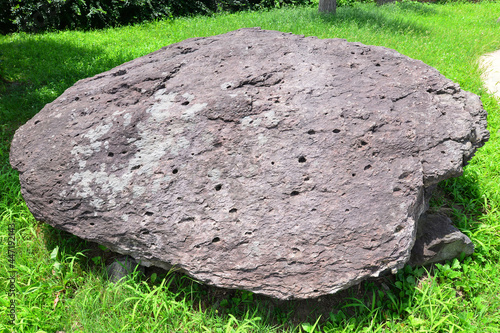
pixel 60 281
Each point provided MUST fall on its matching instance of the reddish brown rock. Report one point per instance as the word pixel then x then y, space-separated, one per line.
pixel 289 166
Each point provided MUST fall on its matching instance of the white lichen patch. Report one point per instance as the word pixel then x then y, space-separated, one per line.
pixel 84 151
pixel 102 187
pixel 128 118
pixel 158 183
pixel 181 144
pixel 160 110
pixel 118 113
pixel 192 111
pixel 214 174
pixel 97 132
pixel 249 121
pixel 270 119
pixel 97 203
pixel 246 121
pixel 262 139
pixel 208 138
pixel 226 85
pixel 152 150
pixel 138 191
pixel 94 134
pixel 188 97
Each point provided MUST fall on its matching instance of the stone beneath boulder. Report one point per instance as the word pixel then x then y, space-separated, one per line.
pixel 123 267
pixel 289 166
pixel 438 240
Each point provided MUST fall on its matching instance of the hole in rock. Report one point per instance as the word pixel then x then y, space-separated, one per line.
pixel 149 213
pixel 175 171
pixel 272 163
pixel 398 228
pixel 111 154
pixel 51 201
pixel 311 132
pixel 233 210
pixel 302 159
pixel 367 167
pixel 179 198
pixel 336 130
pixel 215 240
pixel 364 143
pixel 347 209
pixel 396 189
pixel 123 152
pixel 248 233
pixel 36 122
pixel 144 231
pixel 136 167
pixel 294 193
pixel 218 187
pixel 354 175
pixel 306 179
pixel 91 223
pixel 185 103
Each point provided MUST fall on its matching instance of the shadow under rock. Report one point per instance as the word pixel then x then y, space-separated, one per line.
pixel 222 302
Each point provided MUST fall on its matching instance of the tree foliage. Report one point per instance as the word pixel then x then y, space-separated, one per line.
pixel 43 15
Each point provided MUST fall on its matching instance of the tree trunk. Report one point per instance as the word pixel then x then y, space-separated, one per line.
pixel 327 6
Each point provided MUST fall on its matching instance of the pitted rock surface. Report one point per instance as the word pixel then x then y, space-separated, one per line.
pixel 288 166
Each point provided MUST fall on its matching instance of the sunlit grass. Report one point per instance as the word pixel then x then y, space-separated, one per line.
pixel 59 286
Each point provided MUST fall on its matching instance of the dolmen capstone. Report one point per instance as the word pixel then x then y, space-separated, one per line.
pixel 285 165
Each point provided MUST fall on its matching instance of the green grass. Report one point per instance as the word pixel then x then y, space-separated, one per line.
pixel 60 281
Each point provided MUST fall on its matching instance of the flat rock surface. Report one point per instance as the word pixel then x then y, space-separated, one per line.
pixel 288 166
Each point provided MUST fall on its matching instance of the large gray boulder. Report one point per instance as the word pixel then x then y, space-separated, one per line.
pixel 288 166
